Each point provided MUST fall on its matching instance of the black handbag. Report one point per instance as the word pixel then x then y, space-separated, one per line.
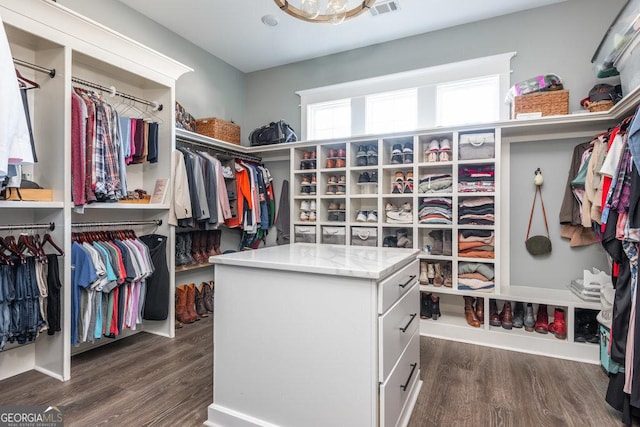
pixel 273 133
pixel 540 244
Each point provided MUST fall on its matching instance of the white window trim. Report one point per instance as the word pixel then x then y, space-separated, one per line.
pixel 423 79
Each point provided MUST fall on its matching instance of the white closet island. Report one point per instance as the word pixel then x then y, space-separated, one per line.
pixel 316 335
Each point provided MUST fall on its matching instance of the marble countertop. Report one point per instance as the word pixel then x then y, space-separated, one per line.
pixel 340 260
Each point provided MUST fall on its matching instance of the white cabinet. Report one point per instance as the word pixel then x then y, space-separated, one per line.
pixel 301 337
pixel 51 36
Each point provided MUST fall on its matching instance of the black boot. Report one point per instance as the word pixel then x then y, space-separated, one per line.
pixel 426 309
pixel 435 307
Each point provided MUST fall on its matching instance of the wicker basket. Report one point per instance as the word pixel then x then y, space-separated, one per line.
pixel 594 107
pixel 555 102
pixel 219 129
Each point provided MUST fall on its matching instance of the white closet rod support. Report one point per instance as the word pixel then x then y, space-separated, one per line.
pixel 155 222
pixel 51 226
pixel 111 90
pixel 51 72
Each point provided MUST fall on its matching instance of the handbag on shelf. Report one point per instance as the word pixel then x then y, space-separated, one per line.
pixel 539 244
pixel 274 133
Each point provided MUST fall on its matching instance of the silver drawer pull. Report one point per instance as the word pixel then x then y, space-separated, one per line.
pixel 413 316
pixel 405 385
pixel 411 278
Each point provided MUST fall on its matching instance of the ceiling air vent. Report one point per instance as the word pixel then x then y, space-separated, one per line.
pixel 384 6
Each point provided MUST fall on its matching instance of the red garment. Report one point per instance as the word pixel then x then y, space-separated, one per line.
pixel 78 171
pixel 606 180
pixel 244 197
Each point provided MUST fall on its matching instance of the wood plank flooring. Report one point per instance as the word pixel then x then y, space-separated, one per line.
pixel 145 380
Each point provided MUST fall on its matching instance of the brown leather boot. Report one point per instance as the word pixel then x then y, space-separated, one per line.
pixel 217 236
pixel 207 297
pixel 211 239
pixel 480 309
pixel 178 323
pixel 195 246
pixel 469 312
pixel 494 317
pixel 506 315
pixel 191 301
pixel 200 308
pixel 182 314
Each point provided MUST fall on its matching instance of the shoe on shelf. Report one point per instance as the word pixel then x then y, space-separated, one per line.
pixel 312 216
pixel 333 216
pixel 333 206
pixel 445 145
pixel 445 156
pixel 304 216
pixel 506 316
pixel 331 153
pixel 362 216
pixel 306 180
pixel 399 216
pixel 434 145
pixel 406 206
pixel 435 307
pixel 494 317
pixel 470 313
pixel 364 178
pixel 313 179
pixel 396 159
pixel 431 156
pixel 372 216
pixel 313 154
pixel 304 205
pixel 479 307
pixel 425 306
pixel 361 161
pixel 518 315
pixel 341 153
pixel 423 279
pixel 332 180
pixel 559 325
pixel 397 187
pixel 542 319
pixel 396 149
pixel 305 189
pixel 312 205
pixel 331 189
pixel 341 163
pixel 431 272
pixel 306 155
pixel 529 318
pixel 408 187
pixel 342 206
pixel 372 155
pixel 407 148
pixel 374 177
pixel 340 189
pixel 331 163
pixel 312 189
pixel 438 279
pixel 362 152
pixel 407 158
pixel 390 207
pixel 342 179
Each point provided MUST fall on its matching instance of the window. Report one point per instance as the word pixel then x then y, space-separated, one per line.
pixel 328 120
pixel 468 101
pixel 391 111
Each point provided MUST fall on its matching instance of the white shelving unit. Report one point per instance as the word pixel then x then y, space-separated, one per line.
pixel 54 37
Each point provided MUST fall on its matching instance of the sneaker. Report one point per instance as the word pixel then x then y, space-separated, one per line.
pixel 434 145
pixel 362 216
pixel 408 148
pixel 374 177
pixel 304 216
pixel 407 158
pixel 445 145
pixel 444 156
pixel 390 207
pixel 333 206
pixel 403 217
pixel 362 151
pixel 306 155
pixel 431 156
pixel 331 189
pixel 332 180
pixel 342 216
pixel 332 216
pixel 311 164
pixel 390 242
pixel 341 153
pixel 361 161
pixel 312 189
pixel 304 165
pixel 305 189
pixel 406 206
pixel 396 159
pixel 305 180
pixel 364 178
pixel 304 205
pixel 313 179
pixel 397 187
pixel 342 206
pixel 396 149
pixel 372 216
pixel 312 205
pixel 313 154
pixel 408 187
pixel 399 176
pixel 331 153
pixel 372 155
pixel 342 179
pixel 341 189
pixel 312 216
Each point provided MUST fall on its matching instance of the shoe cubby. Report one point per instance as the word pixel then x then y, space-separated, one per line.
pixel 434 179
pixel 476 145
pixel 398 151
pixel 305 184
pixel 398 180
pixel 435 210
pixel 449 307
pixel 305 159
pixel 435 150
pixel 476 178
pixel 586 328
pixel 364 154
pixel 398 210
pixel 397 237
pixel 435 272
pixel 528 319
pixel 334 156
pixel 364 210
pixel 435 243
pixel 334 210
pixel 364 182
pixel 306 210
pixel 333 183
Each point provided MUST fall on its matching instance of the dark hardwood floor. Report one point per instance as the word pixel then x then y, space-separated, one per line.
pixel 145 380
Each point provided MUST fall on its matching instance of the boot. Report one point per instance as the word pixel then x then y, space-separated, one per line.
pixel 213 291
pixel 469 312
pixel 494 317
pixel 437 280
pixel 435 307
pixel 188 244
pixel 423 273
pixel 217 236
pixel 431 273
pixel 180 260
pixel 200 307
pixel 446 272
pixel 207 296
pixel 480 309
pixel 210 248
pixel 542 319
pixel 178 323
pixel 182 314
pixel 202 247
pixel 529 319
pixel 559 325
pixel 506 316
pixel 426 309
pixel 196 246
pixel 191 302
pixel 518 315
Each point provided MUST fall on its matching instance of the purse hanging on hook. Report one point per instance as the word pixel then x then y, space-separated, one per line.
pixel 539 244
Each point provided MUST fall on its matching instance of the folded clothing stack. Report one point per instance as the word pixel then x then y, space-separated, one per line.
pixel 475 276
pixel 476 243
pixel 476 211
pixel 476 178
pixel 435 183
pixel 435 210
pixel 590 286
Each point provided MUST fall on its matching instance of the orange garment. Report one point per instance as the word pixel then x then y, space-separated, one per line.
pixel 244 197
pixel 476 254
pixel 463 246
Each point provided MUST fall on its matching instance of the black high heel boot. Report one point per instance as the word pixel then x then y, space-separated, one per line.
pixel 435 307
pixel 425 306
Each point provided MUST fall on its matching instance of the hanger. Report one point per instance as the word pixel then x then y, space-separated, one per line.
pixel 25 83
pixel 9 243
pixel 48 239
pixel 24 242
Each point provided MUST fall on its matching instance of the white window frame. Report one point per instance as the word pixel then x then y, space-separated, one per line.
pixel 326 105
pixel 425 79
pixel 370 101
pixel 441 95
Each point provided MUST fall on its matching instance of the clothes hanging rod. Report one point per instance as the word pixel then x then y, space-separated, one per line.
pixel 51 226
pixel 155 222
pixel 222 151
pixel 112 90
pixel 50 71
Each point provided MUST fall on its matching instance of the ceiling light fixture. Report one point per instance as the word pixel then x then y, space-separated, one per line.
pixel 334 12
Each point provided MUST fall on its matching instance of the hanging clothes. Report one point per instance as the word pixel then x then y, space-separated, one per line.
pixel 156 306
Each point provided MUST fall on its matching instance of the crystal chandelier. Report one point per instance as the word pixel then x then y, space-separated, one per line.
pixel 329 11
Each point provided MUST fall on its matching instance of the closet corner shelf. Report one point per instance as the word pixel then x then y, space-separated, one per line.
pixel 30 205
pixel 128 206
pixel 192 267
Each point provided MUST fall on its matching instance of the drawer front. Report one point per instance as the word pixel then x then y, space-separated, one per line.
pixel 396 285
pixel 395 392
pixel 396 328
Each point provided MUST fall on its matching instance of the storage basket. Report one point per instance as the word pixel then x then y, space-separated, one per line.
pixel 305 234
pixel 554 102
pixel 219 129
pixel 594 107
pixel 364 236
pixel 333 235
pixel 472 146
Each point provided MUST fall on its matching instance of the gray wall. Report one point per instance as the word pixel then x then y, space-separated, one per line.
pixel 559 38
pixel 214 89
